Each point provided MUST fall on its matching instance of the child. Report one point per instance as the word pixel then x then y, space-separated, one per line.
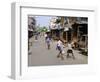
pixel 60 49
pixel 70 50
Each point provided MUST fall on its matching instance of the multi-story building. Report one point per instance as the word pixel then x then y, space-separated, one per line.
pixel 72 29
pixel 31 30
pixel 31 26
pixel 76 29
pixel 56 28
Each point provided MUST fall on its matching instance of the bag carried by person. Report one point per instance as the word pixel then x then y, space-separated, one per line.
pixel 63 52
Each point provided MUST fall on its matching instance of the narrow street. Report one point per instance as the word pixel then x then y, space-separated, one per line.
pixel 41 56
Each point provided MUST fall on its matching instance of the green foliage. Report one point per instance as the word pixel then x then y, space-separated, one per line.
pixel 42 29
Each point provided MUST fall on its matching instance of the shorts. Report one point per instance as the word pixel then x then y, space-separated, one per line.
pixel 59 48
pixel 69 51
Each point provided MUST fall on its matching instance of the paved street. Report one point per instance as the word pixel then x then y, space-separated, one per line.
pixel 41 56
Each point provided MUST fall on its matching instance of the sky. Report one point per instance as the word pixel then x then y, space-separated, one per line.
pixel 43 20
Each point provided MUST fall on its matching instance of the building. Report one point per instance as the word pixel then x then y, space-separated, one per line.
pixel 74 27
pixel 31 26
pixel 76 30
pixel 31 29
pixel 56 28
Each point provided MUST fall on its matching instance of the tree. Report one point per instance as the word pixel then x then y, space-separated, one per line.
pixel 44 29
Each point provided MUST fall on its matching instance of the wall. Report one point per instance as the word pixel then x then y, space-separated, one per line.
pixel 5 40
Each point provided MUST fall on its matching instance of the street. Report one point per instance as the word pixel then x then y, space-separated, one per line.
pixel 41 56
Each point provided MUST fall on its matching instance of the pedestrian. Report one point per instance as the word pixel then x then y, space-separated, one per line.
pixel 70 50
pixel 48 40
pixel 59 47
pixel 45 36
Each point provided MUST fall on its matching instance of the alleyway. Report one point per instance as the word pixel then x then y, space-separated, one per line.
pixel 41 56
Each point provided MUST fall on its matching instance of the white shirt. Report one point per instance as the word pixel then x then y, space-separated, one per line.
pixel 45 35
pixel 59 43
pixel 69 46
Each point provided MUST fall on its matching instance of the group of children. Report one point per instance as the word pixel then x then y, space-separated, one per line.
pixel 61 53
pixel 60 47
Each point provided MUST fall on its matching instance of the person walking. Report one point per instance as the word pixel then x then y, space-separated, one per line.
pixel 48 40
pixel 59 47
pixel 45 36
